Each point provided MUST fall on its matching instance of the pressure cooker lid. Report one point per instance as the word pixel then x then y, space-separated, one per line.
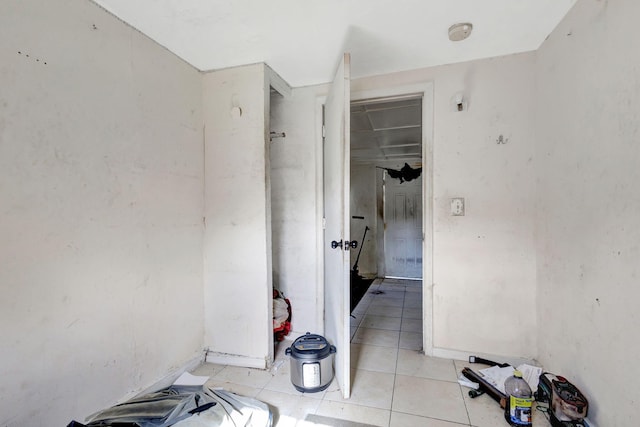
pixel 310 346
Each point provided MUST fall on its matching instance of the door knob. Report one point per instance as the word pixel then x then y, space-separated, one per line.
pixel 350 244
pixel 335 244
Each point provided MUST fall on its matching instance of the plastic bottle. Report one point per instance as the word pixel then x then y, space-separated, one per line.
pixel 517 410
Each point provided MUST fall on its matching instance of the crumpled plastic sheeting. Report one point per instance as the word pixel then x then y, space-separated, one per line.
pixel 184 406
pixel 239 411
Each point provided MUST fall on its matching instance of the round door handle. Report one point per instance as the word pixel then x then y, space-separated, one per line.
pixel 335 244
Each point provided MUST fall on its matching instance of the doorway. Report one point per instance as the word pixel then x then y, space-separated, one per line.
pixel 336 312
pixel 386 186
pixel 389 200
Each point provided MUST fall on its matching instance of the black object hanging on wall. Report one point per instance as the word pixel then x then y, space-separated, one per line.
pixel 407 173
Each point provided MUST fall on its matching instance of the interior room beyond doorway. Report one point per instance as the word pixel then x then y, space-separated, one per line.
pixel 386 140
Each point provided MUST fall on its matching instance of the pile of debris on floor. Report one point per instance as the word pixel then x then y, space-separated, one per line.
pixel 186 403
pixel 511 388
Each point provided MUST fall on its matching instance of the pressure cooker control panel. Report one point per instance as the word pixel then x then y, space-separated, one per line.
pixel 310 343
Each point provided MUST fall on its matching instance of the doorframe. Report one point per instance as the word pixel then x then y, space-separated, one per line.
pixel 361 92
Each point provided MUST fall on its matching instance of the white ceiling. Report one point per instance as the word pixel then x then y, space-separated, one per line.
pixel 302 39
pixel 387 131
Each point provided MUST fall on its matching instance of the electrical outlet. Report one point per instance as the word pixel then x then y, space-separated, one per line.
pixel 457 206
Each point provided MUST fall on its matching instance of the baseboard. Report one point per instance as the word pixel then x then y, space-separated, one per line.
pixel 235 360
pixel 464 355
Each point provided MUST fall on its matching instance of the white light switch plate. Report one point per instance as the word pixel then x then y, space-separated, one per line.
pixel 457 206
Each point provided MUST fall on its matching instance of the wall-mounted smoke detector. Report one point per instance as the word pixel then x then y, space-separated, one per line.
pixel 460 31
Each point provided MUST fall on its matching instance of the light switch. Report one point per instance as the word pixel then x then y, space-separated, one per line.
pixel 457 206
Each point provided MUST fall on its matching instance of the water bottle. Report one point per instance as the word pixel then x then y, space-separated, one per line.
pixel 517 410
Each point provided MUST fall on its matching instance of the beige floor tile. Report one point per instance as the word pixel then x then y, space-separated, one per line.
pixel 429 398
pixel 362 306
pixel 376 337
pixel 483 411
pixel 208 370
pixel 412 302
pixel 255 378
pixel 394 284
pixel 411 325
pixel 385 311
pixel 368 388
pixel 415 364
pixel 288 410
pixel 368 297
pixel 356 319
pixel 412 313
pixel 353 332
pixel 387 302
pixel 374 358
pixel 411 340
pixel 394 293
pixel 381 322
pixel 388 286
pixel 355 413
pixel 405 420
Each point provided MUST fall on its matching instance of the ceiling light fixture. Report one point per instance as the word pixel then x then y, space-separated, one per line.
pixel 461 31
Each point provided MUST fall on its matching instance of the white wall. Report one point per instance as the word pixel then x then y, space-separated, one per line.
pixel 588 225
pixel 100 211
pixel 237 240
pixel 101 202
pixel 484 263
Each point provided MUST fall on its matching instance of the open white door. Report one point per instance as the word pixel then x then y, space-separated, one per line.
pixel 336 213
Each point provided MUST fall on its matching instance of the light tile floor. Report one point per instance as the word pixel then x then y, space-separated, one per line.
pixel 393 383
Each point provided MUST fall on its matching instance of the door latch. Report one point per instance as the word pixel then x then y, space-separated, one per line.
pixel 350 244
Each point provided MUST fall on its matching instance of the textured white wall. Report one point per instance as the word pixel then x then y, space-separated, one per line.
pixel 100 211
pixel 484 262
pixel 237 281
pixel 588 152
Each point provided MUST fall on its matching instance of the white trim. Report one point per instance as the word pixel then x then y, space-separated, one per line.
pixel 278 83
pixel 428 126
pixel 320 220
pixel 446 353
pixel 235 360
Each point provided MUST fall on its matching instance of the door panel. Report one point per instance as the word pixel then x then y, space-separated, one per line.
pixel 336 213
pixel 403 228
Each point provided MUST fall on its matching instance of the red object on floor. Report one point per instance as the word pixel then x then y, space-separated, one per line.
pixel 279 332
